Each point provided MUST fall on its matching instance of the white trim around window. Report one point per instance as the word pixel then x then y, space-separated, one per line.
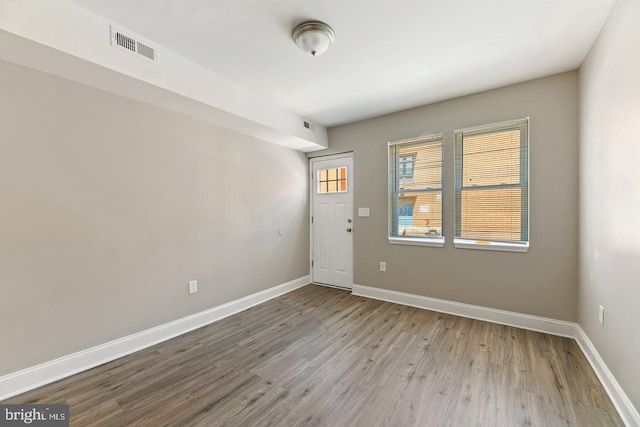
pixel 415 202
pixel 492 187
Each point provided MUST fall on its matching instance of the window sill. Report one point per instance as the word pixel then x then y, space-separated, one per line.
pixel 490 246
pixel 435 242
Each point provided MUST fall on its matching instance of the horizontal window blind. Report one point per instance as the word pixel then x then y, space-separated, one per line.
pixel 492 183
pixel 415 188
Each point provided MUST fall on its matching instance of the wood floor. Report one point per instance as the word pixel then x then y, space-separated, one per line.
pixel 321 356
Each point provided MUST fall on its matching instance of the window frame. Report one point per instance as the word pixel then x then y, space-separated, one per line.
pixel 338 181
pixel 392 161
pixel 402 162
pixel 494 245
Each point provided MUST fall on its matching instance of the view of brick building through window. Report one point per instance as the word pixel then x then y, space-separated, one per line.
pixel 417 189
pixel 492 183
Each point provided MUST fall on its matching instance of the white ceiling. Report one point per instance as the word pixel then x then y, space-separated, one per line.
pixel 388 55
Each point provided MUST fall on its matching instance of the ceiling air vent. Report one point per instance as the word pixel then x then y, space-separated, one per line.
pixel 128 42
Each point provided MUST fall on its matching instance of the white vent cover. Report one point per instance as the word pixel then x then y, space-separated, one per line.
pixel 128 42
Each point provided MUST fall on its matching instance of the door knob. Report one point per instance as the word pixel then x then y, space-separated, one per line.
pixel 349 220
pixel 349 230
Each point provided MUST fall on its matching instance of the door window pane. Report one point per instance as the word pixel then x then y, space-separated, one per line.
pixel 332 180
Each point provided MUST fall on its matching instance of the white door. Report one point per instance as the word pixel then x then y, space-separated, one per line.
pixel 332 220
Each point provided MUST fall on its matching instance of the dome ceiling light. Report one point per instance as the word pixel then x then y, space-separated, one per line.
pixel 313 37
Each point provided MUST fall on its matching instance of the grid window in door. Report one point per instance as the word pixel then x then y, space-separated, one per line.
pixel 332 180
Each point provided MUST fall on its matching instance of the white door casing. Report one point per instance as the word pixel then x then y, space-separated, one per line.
pixel 332 220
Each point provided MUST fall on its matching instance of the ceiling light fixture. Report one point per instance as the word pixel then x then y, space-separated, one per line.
pixel 313 37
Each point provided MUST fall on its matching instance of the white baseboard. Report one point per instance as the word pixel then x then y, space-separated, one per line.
pixel 36 376
pixel 509 318
pixel 625 408
pixel 48 372
pixel 627 411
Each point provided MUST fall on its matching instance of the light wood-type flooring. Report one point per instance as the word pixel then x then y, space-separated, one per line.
pixel 321 356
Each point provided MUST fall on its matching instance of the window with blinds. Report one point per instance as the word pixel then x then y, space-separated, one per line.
pixel 492 187
pixel 415 191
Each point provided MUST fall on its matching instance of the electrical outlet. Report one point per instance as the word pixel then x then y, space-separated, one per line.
pixel 383 266
pixel 193 286
pixel 601 315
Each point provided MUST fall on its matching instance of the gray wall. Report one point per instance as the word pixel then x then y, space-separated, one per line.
pixel 541 282
pixel 609 197
pixel 109 207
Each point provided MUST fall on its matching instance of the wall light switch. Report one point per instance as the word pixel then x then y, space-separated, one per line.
pixel 193 286
pixel 363 211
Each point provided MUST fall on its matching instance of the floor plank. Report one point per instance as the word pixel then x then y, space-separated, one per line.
pixel 321 356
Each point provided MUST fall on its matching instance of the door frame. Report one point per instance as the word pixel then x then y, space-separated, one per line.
pixel 312 194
